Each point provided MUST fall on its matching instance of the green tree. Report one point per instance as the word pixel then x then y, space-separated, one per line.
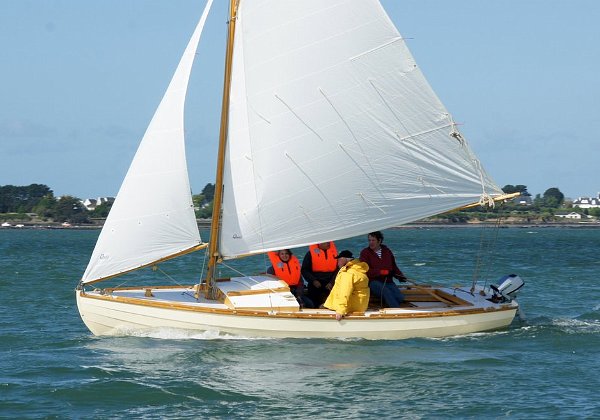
pixel 594 212
pixel 204 201
pixel 198 200
pixel 22 199
pixel 102 210
pixel 205 212
pixel 209 192
pixel 46 207
pixel 70 209
pixel 553 197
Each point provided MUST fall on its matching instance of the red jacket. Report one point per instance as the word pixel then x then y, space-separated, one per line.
pixel 376 264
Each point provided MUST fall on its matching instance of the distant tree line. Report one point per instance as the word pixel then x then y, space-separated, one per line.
pixel 40 199
pixel 552 198
pixel 21 201
pixel 542 207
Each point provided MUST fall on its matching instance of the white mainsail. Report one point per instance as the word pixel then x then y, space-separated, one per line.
pixel 153 216
pixel 333 130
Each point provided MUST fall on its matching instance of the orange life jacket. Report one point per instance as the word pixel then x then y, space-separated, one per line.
pixel 323 261
pixel 288 272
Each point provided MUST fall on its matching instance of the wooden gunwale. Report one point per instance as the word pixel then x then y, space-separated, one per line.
pixel 305 314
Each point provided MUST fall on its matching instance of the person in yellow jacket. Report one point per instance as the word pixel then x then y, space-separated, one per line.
pixel 350 293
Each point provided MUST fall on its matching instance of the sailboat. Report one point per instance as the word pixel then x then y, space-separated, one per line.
pixel 326 97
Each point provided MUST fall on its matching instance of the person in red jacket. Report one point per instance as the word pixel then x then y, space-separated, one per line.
pixel 382 270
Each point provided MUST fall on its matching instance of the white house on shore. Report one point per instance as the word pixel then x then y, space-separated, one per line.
pixel 571 215
pixel 91 203
pixel 587 202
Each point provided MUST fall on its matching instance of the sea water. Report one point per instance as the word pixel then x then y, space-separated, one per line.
pixel 548 366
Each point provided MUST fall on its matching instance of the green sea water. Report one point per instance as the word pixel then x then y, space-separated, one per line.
pixel 51 366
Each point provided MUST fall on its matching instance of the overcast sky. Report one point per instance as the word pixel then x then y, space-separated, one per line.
pixel 80 80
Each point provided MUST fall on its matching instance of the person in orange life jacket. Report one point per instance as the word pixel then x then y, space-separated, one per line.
pixel 382 268
pixel 286 267
pixel 319 268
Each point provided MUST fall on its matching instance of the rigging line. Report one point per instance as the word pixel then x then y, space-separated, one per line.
pixel 485 256
pixel 299 119
pixel 470 157
pixel 157 268
pixel 233 269
pixel 312 182
pixel 493 247
pixel 478 260
pixel 352 134
pixel 250 278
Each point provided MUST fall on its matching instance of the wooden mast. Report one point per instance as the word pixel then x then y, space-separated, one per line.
pixel 213 248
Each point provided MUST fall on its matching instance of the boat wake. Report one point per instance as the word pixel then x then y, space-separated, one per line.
pixel 179 334
pixel 474 336
pixel 585 324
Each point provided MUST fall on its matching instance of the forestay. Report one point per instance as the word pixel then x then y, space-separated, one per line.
pixel 333 130
pixel 153 216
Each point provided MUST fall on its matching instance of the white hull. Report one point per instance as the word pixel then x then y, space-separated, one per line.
pixel 130 312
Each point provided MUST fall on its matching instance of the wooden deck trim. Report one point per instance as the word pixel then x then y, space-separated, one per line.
pixel 453 298
pixel 255 291
pixel 301 314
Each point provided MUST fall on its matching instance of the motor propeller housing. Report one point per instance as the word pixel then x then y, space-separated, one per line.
pixel 508 288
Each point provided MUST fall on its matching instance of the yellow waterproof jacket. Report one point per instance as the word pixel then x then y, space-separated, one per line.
pixel 350 292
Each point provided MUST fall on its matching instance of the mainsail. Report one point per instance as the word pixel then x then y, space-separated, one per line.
pixel 333 130
pixel 153 216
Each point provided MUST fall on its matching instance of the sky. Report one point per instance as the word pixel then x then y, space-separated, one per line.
pixel 80 81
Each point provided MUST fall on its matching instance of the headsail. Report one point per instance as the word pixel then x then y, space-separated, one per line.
pixel 153 215
pixel 334 131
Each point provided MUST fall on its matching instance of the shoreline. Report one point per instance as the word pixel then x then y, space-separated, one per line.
pixel 205 224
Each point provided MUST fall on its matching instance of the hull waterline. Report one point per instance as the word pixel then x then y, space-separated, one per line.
pixel 107 315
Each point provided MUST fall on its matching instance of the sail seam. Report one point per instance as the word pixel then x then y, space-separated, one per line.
pixel 422 133
pixel 362 170
pixel 298 117
pixel 351 133
pixel 312 182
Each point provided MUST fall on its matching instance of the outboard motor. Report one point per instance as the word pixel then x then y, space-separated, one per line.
pixel 507 291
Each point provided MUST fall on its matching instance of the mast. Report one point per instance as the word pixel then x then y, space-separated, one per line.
pixel 213 248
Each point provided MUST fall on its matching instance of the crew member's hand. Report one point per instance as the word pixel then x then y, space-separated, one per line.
pixel 338 316
pixel 317 284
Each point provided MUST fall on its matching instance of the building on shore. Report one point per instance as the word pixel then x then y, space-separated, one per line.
pixel 587 202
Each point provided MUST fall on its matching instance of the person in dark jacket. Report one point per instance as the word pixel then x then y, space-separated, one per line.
pixel 319 268
pixel 382 270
